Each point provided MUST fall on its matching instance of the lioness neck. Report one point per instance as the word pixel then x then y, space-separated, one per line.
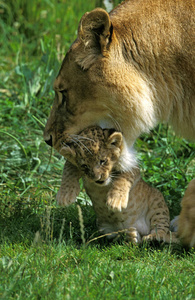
pixel 165 85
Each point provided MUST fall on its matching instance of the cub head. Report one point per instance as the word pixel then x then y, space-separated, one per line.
pixel 96 153
pixel 80 90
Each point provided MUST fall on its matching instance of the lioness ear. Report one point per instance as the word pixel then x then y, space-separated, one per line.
pixel 115 139
pixel 95 31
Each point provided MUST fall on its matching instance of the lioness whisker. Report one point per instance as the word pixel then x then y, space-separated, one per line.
pixel 116 123
pixel 114 175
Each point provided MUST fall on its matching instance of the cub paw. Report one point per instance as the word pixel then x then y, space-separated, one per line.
pixel 133 236
pixel 67 196
pixel 117 201
pixel 170 237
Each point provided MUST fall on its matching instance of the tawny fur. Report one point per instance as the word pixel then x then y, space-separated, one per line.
pixel 186 220
pixel 121 199
pixel 128 70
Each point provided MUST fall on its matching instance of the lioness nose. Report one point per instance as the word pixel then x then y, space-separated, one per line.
pixel 49 142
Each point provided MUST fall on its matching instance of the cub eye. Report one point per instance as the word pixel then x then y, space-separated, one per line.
pixel 103 162
pixel 64 96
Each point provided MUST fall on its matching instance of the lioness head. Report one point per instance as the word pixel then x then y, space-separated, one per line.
pixel 91 86
pixel 125 71
pixel 79 87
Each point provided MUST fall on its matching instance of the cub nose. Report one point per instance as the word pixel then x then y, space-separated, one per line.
pixel 49 142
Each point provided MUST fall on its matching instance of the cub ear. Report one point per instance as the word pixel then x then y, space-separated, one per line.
pixel 68 152
pixel 115 139
pixel 95 30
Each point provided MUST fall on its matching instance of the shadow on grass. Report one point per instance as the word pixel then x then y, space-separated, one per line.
pixel 62 224
pixel 53 223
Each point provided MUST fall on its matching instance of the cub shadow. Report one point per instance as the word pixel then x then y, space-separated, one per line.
pixel 56 224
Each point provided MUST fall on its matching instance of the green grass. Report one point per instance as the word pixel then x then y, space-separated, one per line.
pixel 51 271
pixel 42 250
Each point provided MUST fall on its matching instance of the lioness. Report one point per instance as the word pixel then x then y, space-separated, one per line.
pixel 130 70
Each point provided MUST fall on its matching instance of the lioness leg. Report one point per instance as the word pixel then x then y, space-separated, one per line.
pixel 70 187
pixel 186 221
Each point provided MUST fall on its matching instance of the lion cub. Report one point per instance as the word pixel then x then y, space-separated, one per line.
pixel 121 199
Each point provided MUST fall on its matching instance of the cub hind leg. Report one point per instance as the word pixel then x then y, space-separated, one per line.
pixel 159 218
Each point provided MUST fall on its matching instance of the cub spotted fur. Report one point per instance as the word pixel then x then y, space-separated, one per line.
pixel 129 70
pixel 121 199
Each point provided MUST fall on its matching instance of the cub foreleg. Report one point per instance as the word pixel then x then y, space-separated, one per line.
pixel 118 195
pixel 70 187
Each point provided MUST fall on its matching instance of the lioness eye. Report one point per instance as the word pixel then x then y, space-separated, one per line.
pixel 64 96
pixel 103 162
pixel 84 167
